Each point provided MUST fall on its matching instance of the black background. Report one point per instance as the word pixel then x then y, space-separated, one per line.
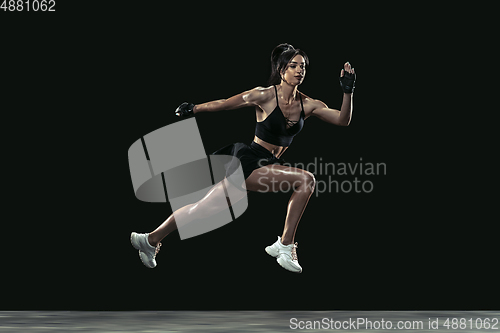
pixel 82 84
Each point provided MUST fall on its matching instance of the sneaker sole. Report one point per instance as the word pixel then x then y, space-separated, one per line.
pixel 147 265
pixel 283 264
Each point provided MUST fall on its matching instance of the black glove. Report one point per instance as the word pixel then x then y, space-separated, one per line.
pixel 347 82
pixel 185 110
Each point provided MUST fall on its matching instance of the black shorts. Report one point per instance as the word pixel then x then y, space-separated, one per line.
pixel 251 157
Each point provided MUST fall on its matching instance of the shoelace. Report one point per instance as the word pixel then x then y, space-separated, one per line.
pixel 294 251
pixel 157 249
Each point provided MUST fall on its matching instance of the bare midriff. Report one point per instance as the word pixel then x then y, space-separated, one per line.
pixel 275 150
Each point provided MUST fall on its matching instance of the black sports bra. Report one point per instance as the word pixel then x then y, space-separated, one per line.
pixel 274 128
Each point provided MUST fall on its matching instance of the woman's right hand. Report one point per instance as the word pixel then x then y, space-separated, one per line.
pixel 185 110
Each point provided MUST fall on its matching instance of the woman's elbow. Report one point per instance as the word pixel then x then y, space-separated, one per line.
pixel 344 123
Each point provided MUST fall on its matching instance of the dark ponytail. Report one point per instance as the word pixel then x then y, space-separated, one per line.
pixel 280 57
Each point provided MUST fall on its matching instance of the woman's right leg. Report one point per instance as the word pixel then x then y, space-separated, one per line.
pixel 209 205
pixel 166 227
pixel 212 203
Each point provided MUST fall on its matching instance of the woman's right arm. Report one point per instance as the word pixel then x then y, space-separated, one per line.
pixel 255 96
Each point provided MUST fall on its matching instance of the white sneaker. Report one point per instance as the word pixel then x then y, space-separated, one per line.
pixel 286 255
pixel 147 253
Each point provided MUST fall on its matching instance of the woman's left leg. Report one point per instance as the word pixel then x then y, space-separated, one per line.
pixel 276 178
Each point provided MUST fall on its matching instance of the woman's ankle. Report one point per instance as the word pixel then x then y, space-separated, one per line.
pixel 152 241
pixel 286 242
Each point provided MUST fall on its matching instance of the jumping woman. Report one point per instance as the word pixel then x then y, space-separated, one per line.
pixel 281 110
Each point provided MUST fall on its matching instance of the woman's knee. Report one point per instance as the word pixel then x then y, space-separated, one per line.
pixel 307 181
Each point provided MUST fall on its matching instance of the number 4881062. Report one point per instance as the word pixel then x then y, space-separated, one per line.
pixel 28 5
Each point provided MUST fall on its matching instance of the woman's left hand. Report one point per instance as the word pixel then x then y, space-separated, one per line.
pixel 347 78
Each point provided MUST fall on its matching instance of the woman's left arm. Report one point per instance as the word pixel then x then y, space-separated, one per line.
pixel 333 116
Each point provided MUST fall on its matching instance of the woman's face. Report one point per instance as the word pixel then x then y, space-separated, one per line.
pixel 295 71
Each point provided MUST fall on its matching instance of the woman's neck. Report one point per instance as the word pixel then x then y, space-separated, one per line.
pixel 288 92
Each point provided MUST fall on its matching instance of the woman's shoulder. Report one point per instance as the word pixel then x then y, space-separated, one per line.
pixel 309 100
pixel 265 90
pixel 262 94
pixel 311 104
pixel 304 97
